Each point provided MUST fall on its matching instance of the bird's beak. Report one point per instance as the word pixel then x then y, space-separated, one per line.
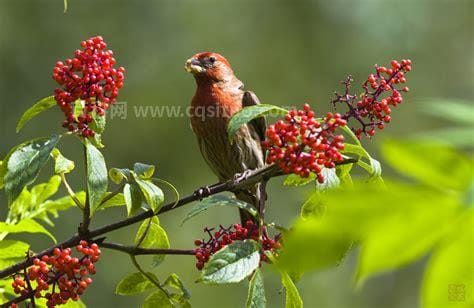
pixel 193 66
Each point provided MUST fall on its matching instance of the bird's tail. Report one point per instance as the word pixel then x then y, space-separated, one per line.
pixel 252 196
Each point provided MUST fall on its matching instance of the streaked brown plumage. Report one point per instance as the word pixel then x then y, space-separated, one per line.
pixel 219 95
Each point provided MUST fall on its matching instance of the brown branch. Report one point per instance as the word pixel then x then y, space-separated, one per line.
pixel 137 251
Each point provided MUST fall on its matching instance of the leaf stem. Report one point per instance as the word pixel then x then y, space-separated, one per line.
pixel 137 251
pixel 71 192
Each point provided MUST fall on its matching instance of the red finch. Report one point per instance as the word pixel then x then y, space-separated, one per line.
pixel 219 95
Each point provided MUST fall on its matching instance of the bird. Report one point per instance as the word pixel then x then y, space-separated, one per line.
pixel 219 95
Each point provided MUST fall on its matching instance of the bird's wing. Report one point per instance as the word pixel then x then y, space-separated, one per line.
pixel 259 124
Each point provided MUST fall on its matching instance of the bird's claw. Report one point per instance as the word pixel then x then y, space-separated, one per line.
pixel 242 176
pixel 203 192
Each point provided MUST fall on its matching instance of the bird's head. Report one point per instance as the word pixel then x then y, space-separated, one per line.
pixel 209 66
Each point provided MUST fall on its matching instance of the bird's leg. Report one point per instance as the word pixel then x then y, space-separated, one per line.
pixel 239 177
pixel 202 192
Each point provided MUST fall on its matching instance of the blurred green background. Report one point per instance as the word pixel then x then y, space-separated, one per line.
pixel 288 52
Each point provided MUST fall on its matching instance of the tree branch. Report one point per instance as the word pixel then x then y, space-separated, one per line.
pixel 137 251
pixel 231 185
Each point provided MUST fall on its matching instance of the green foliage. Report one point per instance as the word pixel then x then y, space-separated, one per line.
pixel 144 171
pixel 256 295
pixel 23 164
pixel 445 168
pixel 231 264
pixel 96 176
pixel 247 114
pixel 152 194
pixel 133 198
pixel 214 201
pixel 11 252
pixel 157 299
pixel 40 106
pixel 135 283
pixel 448 281
pixel 151 235
pixel 292 298
pixel 25 226
pixel 62 164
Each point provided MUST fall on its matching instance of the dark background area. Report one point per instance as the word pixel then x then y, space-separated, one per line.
pixel 288 52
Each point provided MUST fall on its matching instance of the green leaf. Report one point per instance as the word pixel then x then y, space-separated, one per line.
pixel 96 176
pixel 33 111
pixel 98 123
pixel 214 201
pixel 457 111
pixel 117 200
pixel 133 198
pixel 292 298
pixel 62 164
pixel 152 193
pixel 154 236
pixel 65 6
pixel 452 136
pixel 13 249
pixel 399 239
pixel 173 281
pixel 157 299
pixel 296 180
pixel 135 283
pixel 25 226
pixel 41 192
pixel 309 238
pixel 331 180
pixel 256 295
pixel 314 206
pixel 117 175
pixel 144 171
pixel 73 304
pixel 23 165
pixel 232 264
pixel 249 113
pixel 448 280
pixel 435 165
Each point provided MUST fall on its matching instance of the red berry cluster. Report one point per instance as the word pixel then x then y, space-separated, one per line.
pixel 301 144
pixel 226 236
pixel 91 77
pixel 67 275
pixel 380 94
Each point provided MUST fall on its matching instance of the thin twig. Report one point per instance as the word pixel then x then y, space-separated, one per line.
pixel 138 251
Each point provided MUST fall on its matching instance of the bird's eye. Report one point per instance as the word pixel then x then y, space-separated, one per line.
pixel 212 59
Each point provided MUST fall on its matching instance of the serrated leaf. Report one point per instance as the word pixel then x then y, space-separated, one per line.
pixel 296 180
pixel 117 175
pixel 96 176
pixel 152 193
pixel 13 249
pixel 292 297
pixel 135 283
pixel 33 111
pixel 232 264
pixel 144 171
pixel 25 226
pixel 157 299
pixel 133 198
pixel 155 237
pixel 256 294
pixel 62 164
pixel 249 113
pixel 24 164
pixel 214 201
